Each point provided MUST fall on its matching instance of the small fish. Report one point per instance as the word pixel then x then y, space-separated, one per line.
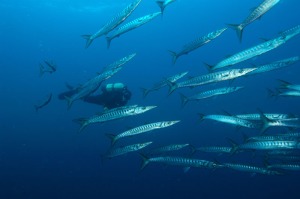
pixel 291 167
pixel 126 149
pixel 119 63
pixel 168 148
pixel 196 44
pixel 43 102
pixel 163 3
pixel 271 116
pixel 257 13
pixel 208 94
pixel 215 149
pixel 130 26
pixel 47 68
pixel 141 129
pixel 113 23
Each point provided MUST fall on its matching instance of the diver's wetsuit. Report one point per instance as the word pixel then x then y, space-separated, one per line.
pixel 108 98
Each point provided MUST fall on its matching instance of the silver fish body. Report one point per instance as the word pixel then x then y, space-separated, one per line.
pixel 126 149
pixel 252 169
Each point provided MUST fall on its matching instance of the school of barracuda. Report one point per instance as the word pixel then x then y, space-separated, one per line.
pixel 280 152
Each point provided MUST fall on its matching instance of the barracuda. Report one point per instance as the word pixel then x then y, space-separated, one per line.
pixel 275 65
pixel 196 44
pixel 281 137
pixel 164 83
pixel 44 102
pixel 229 120
pixel 180 161
pixel 271 116
pixel 291 167
pixel 126 149
pixel 252 169
pixel 215 149
pixel 249 53
pixel 113 23
pixel 130 26
pixel 209 93
pixel 292 32
pixel 140 130
pixel 113 115
pixel 120 63
pixel 172 147
pixel 210 78
pixel 257 13
pixel 267 123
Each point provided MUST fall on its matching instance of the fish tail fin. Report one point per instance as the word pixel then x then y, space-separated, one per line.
pixel 42 71
pixel 193 149
pixel 272 93
pixel 209 67
pixel 69 101
pixel 201 117
pixel 161 5
pixel 174 56
pixel 265 122
pixel 284 84
pixel 112 138
pixel 184 99
pixel 172 86
pixel 108 41
pixel 145 92
pixel 83 123
pixel 89 40
pixel 145 161
pixel 234 147
pixel 239 30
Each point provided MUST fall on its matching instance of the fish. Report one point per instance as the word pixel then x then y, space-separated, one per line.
pixel 275 65
pixel 215 149
pixel 277 137
pixel 168 148
pixel 126 149
pixel 271 116
pixel 130 26
pixel 43 102
pixel 48 68
pixel 141 129
pixel 113 23
pixel 251 169
pixel 229 120
pixel 163 83
pixel 180 161
pixel 290 33
pixel 113 114
pixel 196 44
pixel 208 94
pixel 163 3
pixel 90 86
pixel 249 53
pixel 119 63
pixel 257 13
pixel 210 78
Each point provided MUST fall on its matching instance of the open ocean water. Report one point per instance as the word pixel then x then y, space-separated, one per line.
pixel 42 155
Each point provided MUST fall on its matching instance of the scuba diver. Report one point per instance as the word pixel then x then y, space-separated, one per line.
pixel 112 96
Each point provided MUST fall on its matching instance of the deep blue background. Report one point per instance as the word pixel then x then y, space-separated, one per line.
pixel 43 156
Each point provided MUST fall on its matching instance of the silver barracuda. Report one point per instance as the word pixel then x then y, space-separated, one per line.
pixel 287 85
pixel 267 123
pixel 140 130
pixel 289 93
pixel 163 83
pixel 90 86
pixel 230 120
pixel 275 65
pixel 272 138
pixel 126 149
pixel 271 116
pixel 292 32
pixel 44 102
pixel 180 161
pixel 113 114
pixel 196 44
pixel 214 149
pixel 130 26
pixel 249 53
pixel 113 23
pixel 120 63
pixel 249 168
pixel 257 13
pixel 210 78
pixel 163 3
pixel 290 167
pixel 168 148
pixel 209 93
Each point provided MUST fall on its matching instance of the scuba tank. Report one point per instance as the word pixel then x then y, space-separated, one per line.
pixel 114 87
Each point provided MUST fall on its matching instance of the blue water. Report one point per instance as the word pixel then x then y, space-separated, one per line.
pixel 43 156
